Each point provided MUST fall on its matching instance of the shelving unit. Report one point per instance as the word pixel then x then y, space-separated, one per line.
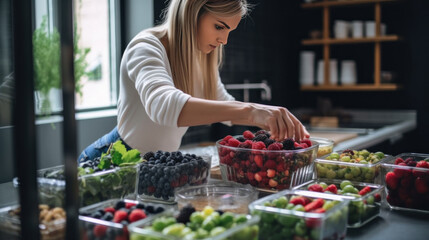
pixel 326 42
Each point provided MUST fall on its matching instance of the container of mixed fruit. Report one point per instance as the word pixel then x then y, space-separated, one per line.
pixel 298 214
pixel 113 175
pixel 110 219
pixel 257 160
pixel 365 198
pixel 52 222
pixel 353 165
pixel 163 172
pixel 191 224
pixel 406 177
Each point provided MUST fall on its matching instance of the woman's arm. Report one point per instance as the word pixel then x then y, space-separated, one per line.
pixel 278 120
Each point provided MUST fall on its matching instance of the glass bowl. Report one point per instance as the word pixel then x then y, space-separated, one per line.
pixel 326 146
pixel 224 196
pixel 268 170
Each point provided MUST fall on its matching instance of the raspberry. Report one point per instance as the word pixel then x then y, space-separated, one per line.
pixel 315 188
pixel 227 138
pixel 232 142
pixel 248 135
pixel 136 215
pixel 398 161
pixel 307 141
pixel 119 216
pixel 332 188
pixel 258 145
pixel 270 164
pixel 391 180
pixel 288 144
pixel 304 145
pixel 275 146
pixel 100 231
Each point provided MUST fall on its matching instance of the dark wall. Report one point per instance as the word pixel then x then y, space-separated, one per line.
pixel 266 45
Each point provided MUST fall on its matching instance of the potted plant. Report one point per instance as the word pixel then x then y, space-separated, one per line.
pixel 46 51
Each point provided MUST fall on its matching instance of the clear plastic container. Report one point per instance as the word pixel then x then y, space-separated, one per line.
pixel 357 172
pixel 244 231
pixel 326 146
pixel 362 209
pixel 282 223
pixel 246 166
pixel 412 184
pixel 93 228
pixel 93 188
pixel 10 226
pixel 224 196
pixel 156 183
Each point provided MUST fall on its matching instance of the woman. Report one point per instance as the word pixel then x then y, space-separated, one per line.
pixel 169 81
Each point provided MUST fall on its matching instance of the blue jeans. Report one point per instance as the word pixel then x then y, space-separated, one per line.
pixel 101 146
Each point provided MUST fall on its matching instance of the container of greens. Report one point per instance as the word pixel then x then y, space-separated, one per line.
pixel 113 175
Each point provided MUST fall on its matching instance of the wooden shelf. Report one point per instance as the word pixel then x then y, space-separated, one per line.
pixel 339 3
pixel 389 38
pixel 357 87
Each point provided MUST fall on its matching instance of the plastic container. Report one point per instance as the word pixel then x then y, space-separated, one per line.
pixel 93 188
pixel 407 187
pixel 326 146
pixel 357 172
pixel 282 223
pixel 245 231
pixel 10 226
pixel 362 209
pixel 157 182
pixel 248 166
pixel 224 196
pixel 93 228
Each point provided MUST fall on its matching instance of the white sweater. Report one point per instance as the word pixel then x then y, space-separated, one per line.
pixel 149 104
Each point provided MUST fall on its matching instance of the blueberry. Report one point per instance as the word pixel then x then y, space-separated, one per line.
pixel 140 206
pixel 119 205
pixel 107 216
pixel 96 215
pixel 150 209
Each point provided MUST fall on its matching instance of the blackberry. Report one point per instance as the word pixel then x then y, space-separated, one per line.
pixel 185 214
pixel 260 137
pixel 268 142
pixel 241 139
pixel 148 155
pixel 288 144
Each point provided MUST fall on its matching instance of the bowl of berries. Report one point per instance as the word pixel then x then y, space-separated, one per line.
pixel 353 165
pixel 406 177
pixel 163 172
pixel 110 219
pixel 298 214
pixel 365 198
pixel 189 223
pixel 257 160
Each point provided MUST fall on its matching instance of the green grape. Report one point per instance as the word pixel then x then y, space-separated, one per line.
pixel 216 231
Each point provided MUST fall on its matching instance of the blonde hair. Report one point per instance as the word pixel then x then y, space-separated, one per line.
pixel 180 24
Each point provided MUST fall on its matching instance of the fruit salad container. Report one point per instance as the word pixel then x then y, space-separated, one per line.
pixel 52 223
pixel 298 214
pixel 265 164
pixel 191 224
pixel 352 165
pixel 326 146
pixel 406 177
pixel 110 219
pixel 224 196
pixel 119 182
pixel 365 198
pixel 163 172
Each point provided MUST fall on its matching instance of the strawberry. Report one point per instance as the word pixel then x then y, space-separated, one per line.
pixel 400 172
pixel 250 176
pixel 422 164
pixel 120 216
pixel 377 197
pixel 248 135
pixel 315 188
pixel 332 188
pixel 421 185
pixel 318 203
pixel 100 231
pixel 314 222
pixel 129 205
pixel 270 164
pixel 271 173
pixel 258 177
pixel 398 161
pixel 391 180
pixel 272 183
pixel 109 209
pixel 406 181
pixel 259 160
pixel 136 215
pixel 298 200
pixel 364 191
pixel 280 167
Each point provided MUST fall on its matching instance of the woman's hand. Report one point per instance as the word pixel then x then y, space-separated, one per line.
pixel 278 120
